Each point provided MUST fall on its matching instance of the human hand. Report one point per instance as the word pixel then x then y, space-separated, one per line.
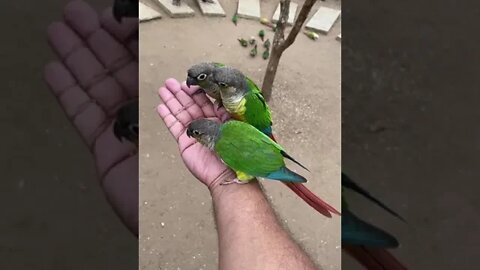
pixel 181 106
pixel 98 73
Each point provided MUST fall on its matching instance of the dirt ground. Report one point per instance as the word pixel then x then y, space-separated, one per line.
pixel 176 222
pixel 54 214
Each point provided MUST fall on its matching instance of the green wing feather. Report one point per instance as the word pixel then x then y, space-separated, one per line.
pixel 257 111
pixel 252 86
pixel 244 148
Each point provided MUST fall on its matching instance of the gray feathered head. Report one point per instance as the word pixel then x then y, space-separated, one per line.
pixel 205 131
pixel 199 73
pixel 230 77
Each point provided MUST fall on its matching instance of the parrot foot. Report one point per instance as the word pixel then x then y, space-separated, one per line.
pixel 234 181
pixel 199 91
pixel 217 106
pixel 176 3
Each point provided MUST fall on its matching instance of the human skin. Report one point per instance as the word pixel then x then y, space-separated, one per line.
pixel 95 74
pixel 249 234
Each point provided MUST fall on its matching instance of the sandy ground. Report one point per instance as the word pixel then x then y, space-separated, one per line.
pixel 54 213
pixel 177 227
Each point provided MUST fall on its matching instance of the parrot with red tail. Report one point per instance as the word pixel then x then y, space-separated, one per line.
pixel 244 101
pixel 366 243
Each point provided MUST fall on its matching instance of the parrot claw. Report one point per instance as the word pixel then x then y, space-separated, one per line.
pixel 200 90
pixel 218 105
pixel 234 181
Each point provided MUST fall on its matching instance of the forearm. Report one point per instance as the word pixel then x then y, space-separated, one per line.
pixel 250 236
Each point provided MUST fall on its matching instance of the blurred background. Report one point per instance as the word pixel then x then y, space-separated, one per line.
pixel 54 214
pixel 409 107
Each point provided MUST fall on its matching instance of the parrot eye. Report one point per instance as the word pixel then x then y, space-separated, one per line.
pixel 202 77
pixel 196 132
pixel 222 84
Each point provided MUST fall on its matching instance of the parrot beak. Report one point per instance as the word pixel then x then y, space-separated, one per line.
pixel 191 81
pixel 189 133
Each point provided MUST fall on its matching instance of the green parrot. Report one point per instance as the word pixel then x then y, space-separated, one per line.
pixel 248 105
pixel 259 156
pixel 253 52
pixel 266 54
pixel 243 42
pixel 235 19
pixel 201 75
pixel 261 34
pixel 126 123
pixel 250 153
pixel 267 44
pixel 367 243
pixel 243 99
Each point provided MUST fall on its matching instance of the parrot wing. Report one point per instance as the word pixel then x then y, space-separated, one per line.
pixel 257 112
pixel 252 86
pixel 244 148
pixel 348 183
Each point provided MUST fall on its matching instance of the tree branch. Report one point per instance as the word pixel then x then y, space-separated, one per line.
pixel 302 17
pixel 280 44
pixel 279 36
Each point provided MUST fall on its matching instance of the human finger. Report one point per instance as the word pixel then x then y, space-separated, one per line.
pixel 121 188
pixel 121 31
pixel 174 126
pixel 200 99
pixel 88 117
pixel 82 18
pixel 177 110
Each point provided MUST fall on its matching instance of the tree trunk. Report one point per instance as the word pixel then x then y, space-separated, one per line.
pixel 270 73
pixel 279 44
pixel 277 51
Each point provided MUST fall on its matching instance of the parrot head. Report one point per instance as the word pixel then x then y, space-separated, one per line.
pixel 200 73
pixel 126 123
pixel 125 8
pixel 230 80
pixel 204 131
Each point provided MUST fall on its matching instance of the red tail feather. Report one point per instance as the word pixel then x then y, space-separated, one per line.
pixel 309 197
pixel 312 199
pixel 374 258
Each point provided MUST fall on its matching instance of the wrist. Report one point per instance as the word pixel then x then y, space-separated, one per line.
pixel 225 176
pixel 219 191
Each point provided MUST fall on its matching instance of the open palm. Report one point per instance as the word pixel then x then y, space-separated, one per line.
pixel 180 106
pixel 96 74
